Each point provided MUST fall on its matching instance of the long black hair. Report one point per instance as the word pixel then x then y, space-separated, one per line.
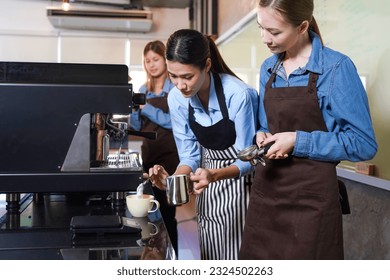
pixel 188 46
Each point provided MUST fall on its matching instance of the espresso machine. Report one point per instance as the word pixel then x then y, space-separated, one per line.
pixel 58 125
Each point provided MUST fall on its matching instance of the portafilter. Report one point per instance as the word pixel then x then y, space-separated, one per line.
pixel 254 154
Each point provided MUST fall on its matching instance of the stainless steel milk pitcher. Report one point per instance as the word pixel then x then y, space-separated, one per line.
pixel 179 188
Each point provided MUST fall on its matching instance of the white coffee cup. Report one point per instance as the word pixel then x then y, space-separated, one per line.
pixel 141 205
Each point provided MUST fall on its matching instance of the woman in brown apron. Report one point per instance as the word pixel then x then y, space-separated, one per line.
pixel 154 116
pixel 294 210
pixel 301 195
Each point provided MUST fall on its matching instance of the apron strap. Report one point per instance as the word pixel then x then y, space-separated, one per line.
pixel 274 69
pixel 220 95
pixel 312 84
pixel 278 62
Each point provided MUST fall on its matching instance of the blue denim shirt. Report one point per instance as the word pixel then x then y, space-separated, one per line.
pixel 242 104
pixel 342 101
pixel 154 114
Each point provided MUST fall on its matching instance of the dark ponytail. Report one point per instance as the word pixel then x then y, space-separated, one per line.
pixel 218 65
pixel 188 46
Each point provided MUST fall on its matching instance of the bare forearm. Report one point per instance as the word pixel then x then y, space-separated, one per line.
pixel 183 169
pixel 229 172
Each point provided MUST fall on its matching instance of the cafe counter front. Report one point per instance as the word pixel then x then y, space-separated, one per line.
pixel 81 226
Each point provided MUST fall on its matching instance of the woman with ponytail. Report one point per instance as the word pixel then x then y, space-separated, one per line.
pixel 214 115
pixel 314 108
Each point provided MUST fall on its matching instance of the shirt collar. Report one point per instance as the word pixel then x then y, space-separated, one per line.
pixel 316 57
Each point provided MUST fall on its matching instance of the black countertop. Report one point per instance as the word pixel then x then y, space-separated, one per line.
pixel 41 230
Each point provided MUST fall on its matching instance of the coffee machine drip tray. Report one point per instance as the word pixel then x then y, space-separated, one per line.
pixel 120 162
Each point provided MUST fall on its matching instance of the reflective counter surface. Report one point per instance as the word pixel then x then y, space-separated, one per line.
pixel 42 230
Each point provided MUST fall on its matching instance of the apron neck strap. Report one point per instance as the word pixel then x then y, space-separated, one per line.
pixel 274 69
pixel 220 95
pixel 278 62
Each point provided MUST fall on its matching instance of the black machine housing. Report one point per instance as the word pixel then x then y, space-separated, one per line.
pixel 48 130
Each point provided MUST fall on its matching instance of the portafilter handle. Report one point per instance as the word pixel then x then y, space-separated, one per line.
pixel 253 154
pixel 264 149
pixel 260 153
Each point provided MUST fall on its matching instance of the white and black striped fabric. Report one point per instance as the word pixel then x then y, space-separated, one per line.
pixel 221 209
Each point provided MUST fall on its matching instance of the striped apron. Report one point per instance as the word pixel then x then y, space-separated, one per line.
pixel 221 208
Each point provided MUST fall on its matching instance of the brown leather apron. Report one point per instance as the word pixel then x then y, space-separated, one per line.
pixel 294 210
pixel 161 151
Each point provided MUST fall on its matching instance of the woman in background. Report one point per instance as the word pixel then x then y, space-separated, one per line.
pixel 314 107
pixel 154 116
pixel 213 117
